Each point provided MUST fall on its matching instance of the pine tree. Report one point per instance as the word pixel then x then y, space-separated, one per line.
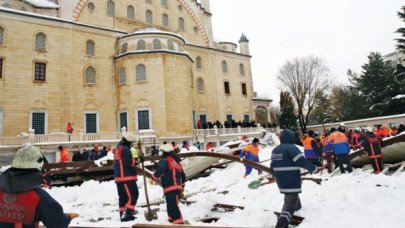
pixel 287 117
pixel 401 41
pixel 376 83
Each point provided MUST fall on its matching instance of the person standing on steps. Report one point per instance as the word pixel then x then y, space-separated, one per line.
pixel 23 202
pixel 286 161
pixel 126 177
pixel 173 182
pixel 251 153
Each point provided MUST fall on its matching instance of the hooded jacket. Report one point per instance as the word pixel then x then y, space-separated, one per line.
pixel 286 161
pixel 23 203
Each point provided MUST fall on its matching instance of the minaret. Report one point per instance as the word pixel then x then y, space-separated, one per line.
pixel 244 45
pixel 206 5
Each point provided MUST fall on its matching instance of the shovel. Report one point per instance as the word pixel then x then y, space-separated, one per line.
pixel 149 215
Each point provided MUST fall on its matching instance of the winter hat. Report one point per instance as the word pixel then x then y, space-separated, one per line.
pixel 28 157
pixel 130 137
pixel 167 148
pixel 255 140
pixel 342 125
pixel 311 133
pixel 332 129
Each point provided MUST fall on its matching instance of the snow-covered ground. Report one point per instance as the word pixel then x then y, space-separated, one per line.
pixel 356 200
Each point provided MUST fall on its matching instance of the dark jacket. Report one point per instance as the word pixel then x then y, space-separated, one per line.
pixel 171 174
pixel 371 144
pixel 20 190
pixel 286 163
pixel 124 163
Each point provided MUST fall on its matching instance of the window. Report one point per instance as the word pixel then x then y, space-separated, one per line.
pixel 244 89
pixel 1 123
pixel 149 1
pixel 164 3
pixel 1 68
pixel 143 119
pixel 38 122
pixel 91 122
pixel 241 69
pixel 124 47
pixel 198 62
pixel 180 8
pixel 122 75
pixel 40 42
pixel 7 5
pixel 200 85
pixel 40 72
pixel 246 118
pixel 123 120
pixel 90 75
pixel 195 29
pixel 226 87
pixel 141 45
pixel 140 72
pixel 229 118
pixel 156 44
pixel 149 17
pixel 90 48
pixel 165 20
pixel 170 45
pixel 224 66
pixel 203 119
pixel 110 8
pixel 23 9
pixel 2 35
pixel 130 12
pixel 90 7
pixel 181 24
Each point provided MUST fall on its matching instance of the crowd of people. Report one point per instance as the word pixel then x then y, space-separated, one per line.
pixel 83 155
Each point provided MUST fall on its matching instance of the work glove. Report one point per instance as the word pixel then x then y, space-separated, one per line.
pixel 71 216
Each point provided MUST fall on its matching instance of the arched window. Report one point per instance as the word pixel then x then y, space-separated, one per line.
pixel 140 72
pixel 156 44
pixel 170 45
pixel 224 66
pixel 165 20
pixel 2 35
pixel 90 76
pixel 149 17
pixel 141 45
pixel 130 12
pixel 164 3
pixel 91 7
pixel 110 8
pixel 90 48
pixel 181 24
pixel 200 85
pixel 241 69
pixel 122 76
pixel 198 62
pixel 124 47
pixel 40 41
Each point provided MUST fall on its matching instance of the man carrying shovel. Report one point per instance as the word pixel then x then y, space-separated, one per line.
pixel 173 181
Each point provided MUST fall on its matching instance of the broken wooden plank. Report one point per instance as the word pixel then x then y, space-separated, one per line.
pixel 226 207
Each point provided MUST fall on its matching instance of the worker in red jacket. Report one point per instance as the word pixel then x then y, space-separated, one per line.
pixel 23 203
pixel 372 145
pixel 173 181
pixel 126 177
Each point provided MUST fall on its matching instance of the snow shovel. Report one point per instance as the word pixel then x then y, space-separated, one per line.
pixel 149 215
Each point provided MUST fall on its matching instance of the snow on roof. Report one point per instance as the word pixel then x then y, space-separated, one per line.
pixel 399 96
pixel 42 3
pixel 154 30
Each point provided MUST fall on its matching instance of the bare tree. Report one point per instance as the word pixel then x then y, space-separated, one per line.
pixel 304 77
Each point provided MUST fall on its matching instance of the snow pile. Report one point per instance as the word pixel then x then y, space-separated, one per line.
pixel 349 200
pixel 42 3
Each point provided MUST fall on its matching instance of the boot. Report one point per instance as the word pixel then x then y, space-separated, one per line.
pixel 128 215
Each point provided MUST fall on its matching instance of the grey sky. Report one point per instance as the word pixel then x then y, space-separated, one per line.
pixel 343 32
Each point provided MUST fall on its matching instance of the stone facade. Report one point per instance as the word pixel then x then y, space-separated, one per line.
pixel 105 69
